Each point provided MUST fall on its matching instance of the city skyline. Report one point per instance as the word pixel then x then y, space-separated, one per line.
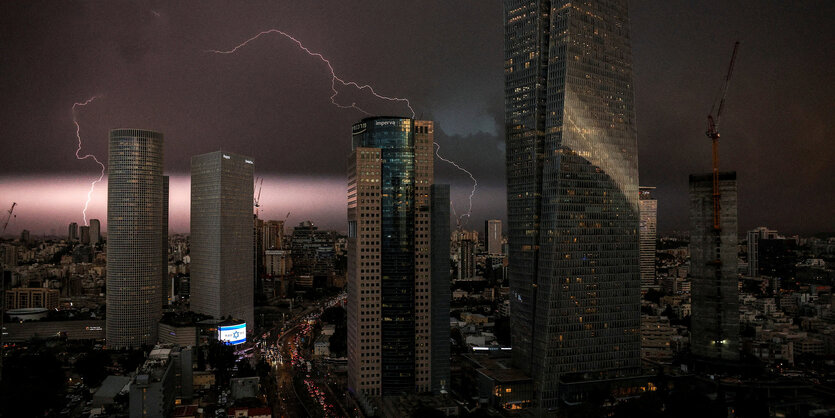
pixel 157 56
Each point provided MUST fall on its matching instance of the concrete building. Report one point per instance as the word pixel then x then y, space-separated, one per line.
pixel 84 234
pixel 27 297
pixel 273 235
pixel 648 233
pixel 713 267
pixel 493 237
pixel 72 232
pixel 754 237
pixel 95 231
pixel 572 194
pixel 222 281
pixel 466 259
pixel 134 237
pixel 165 376
pixel 390 174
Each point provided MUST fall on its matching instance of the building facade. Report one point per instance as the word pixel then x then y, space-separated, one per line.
pixel 440 294
pixel 222 280
pixel 72 232
pixel 493 237
pixel 95 231
pixel 713 267
pixel 134 237
pixel 648 233
pixel 753 238
pixel 572 193
pixel 390 175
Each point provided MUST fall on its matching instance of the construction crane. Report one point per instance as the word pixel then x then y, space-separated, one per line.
pixel 713 134
pixel 258 195
pixel 9 217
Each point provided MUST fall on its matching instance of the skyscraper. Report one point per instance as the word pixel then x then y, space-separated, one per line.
pixel 572 192
pixel 649 220
pixel 166 286
pixel 466 259
pixel 493 237
pixel 440 295
pixel 273 235
pixel 84 234
pixel 754 237
pixel 95 231
pixel 713 266
pixel 134 228
pixel 72 232
pixel 222 238
pixel 390 174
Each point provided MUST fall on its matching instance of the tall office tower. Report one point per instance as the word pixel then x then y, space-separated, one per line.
pixel 440 294
pixel 273 235
pixel 713 266
pixel 72 232
pixel 390 175
pixel 24 236
pixel 222 235
pixel 258 256
pixel 84 234
pixel 649 221
pixel 493 237
pixel 572 192
pixel 167 286
pixel 134 251
pixel 95 231
pixel 466 259
pixel 754 237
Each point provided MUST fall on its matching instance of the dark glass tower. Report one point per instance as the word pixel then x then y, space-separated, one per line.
pixel 572 192
pixel 390 292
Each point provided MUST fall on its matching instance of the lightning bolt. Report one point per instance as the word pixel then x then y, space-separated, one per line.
pixel 78 156
pixel 461 219
pixel 335 79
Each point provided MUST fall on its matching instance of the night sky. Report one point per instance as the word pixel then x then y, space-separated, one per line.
pixel 271 101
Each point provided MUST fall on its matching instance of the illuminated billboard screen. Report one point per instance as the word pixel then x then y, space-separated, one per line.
pixel 232 334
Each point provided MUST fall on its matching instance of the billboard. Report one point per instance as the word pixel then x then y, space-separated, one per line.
pixel 232 334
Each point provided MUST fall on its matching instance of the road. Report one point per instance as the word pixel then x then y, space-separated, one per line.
pixel 300 391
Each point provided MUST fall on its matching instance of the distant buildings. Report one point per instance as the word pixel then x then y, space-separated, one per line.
pixel 26 298
pixel 165 377
pixel 134 248
pixel 649 217
pixel 466 259
pixel 313 250
pixel 72 232
pixel 572 194
pixel 222 236
pixel 493 237
pixel 95 231
pixel 390 227
pixel 713 267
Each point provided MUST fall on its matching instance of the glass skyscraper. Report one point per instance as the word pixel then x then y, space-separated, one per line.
pixel 222 236
pixel 390 292
pixel 572 193
pixel 135 250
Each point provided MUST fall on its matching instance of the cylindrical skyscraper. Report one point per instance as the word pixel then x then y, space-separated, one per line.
pixel 134 237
